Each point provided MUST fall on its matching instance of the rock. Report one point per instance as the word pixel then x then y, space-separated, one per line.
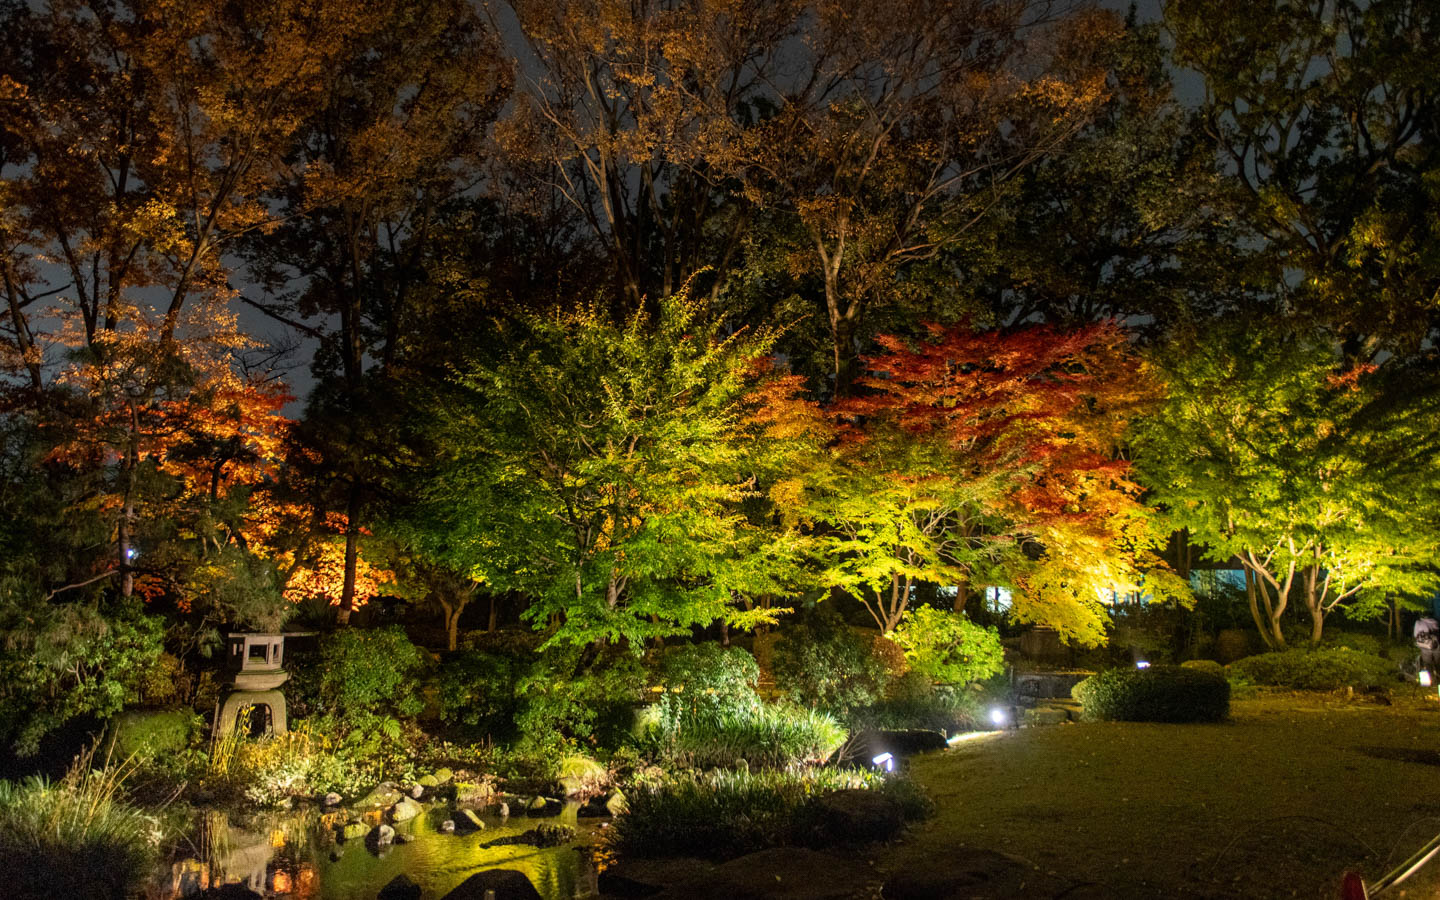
pixel 1047 715
pixel 617 805
pixel 781 873
pixel 385 795
pixel 380 836
pixel 631 877
pixel 594 808
pixel 544 806
pixel 508 884
pixel 466 821
pixel 332 799
pixel 503 810
pixel 860 816
pixel 901 742
pixel 353 830
pixel 542 836
pixel 405 810
pixel 417 791
pixel 401 887
pixel 972 873
pixel 427 781
pixel 231 892
pixel 443 776
pixel 447 826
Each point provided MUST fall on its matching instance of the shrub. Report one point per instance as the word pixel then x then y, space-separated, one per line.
pixel 824 663
pixel 948 647
pixel 768 736
pixel 74 837
pixel 150 733
pixel 563 699
pixel 912 701
pixel 369 671
pixel 707 678
pixel 1156 694
pixel 476 691
pixel 1316 670
pixel 1209 666
pixel 728 814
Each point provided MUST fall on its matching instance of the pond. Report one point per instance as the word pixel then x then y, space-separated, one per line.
pixel 297 856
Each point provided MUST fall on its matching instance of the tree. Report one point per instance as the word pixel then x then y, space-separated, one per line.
pixel 977 454
pixel 1322 117
pixel 1269 449
pixel 605 469
pixel 396 131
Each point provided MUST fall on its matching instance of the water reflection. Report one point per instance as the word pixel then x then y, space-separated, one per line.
pixel 297 856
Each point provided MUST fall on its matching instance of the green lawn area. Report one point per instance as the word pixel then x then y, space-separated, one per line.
pixel 1277 802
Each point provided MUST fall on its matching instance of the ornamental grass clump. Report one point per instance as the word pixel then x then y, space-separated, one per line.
pixel 722 815
pixel 75 837
pixel 1155 694
pixel 770 736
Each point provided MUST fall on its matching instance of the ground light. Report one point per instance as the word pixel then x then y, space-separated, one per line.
pixel 998 717
pixel 885 761
pixel 1142 664
pixel 1424 677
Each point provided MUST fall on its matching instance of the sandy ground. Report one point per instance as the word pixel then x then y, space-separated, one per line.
pixel 1278 802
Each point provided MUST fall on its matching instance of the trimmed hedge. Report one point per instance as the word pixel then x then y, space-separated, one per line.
pixel 1209 666
pixel 1156 694
pixel 1317 670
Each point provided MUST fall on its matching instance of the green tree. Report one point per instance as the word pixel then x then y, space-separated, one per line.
pixel 611 471
pixel 1270 450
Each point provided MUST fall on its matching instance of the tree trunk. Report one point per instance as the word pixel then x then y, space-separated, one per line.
pixel 490 623
pixel 962 595
pixel 352 555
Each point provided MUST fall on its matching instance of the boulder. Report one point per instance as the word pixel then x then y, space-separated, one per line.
pixel 331 799
pixel 405 810
pixel 503 810
pixel 466 821
pixel 781 873
pixel 380 836
pixel 632 877
pixel 906 742
pixel 417 791
pixel 447 826
pixel 443 776
pixel 617 805
pixel 401 887
pixel 860 816
pixel 594 808
pixel 427 781
pixel 544 806
pixel 353 830
pixel 508 884
pixel 546 835
pixel 385 795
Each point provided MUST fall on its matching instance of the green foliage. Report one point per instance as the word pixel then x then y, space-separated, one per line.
pixel 369 671
pixel 1155 694
pixel 1271 448
pixel 1317 670
pixel 948 647
pixel 913 701
pixel 704 678
pixel 823 663
pixel 151 733
pixel 565 698
pixel 75 837
pixel 63 661
pixel 1208 666
pixel 764 736
pixel 607 469
pixel 476 690
pixel 728 814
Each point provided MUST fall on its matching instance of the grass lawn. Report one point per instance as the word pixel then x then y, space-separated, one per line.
pixel 1277 802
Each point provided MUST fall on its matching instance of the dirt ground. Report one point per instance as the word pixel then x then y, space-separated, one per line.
pixel 1278 802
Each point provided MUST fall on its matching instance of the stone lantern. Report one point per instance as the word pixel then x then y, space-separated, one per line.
pixel 254 671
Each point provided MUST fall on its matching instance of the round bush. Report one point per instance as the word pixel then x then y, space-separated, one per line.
pixel 1317 670
pixel 1156 694
pixel 1204 665
pixel 949 647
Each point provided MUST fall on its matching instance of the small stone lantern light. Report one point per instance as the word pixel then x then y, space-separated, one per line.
pixel 253 673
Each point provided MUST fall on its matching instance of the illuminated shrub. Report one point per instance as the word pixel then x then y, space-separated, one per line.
pixel 1204 665
pixel 1317 670
pixel 1156 694
pixel 825 664
pixel 948 647
pixel 766 736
